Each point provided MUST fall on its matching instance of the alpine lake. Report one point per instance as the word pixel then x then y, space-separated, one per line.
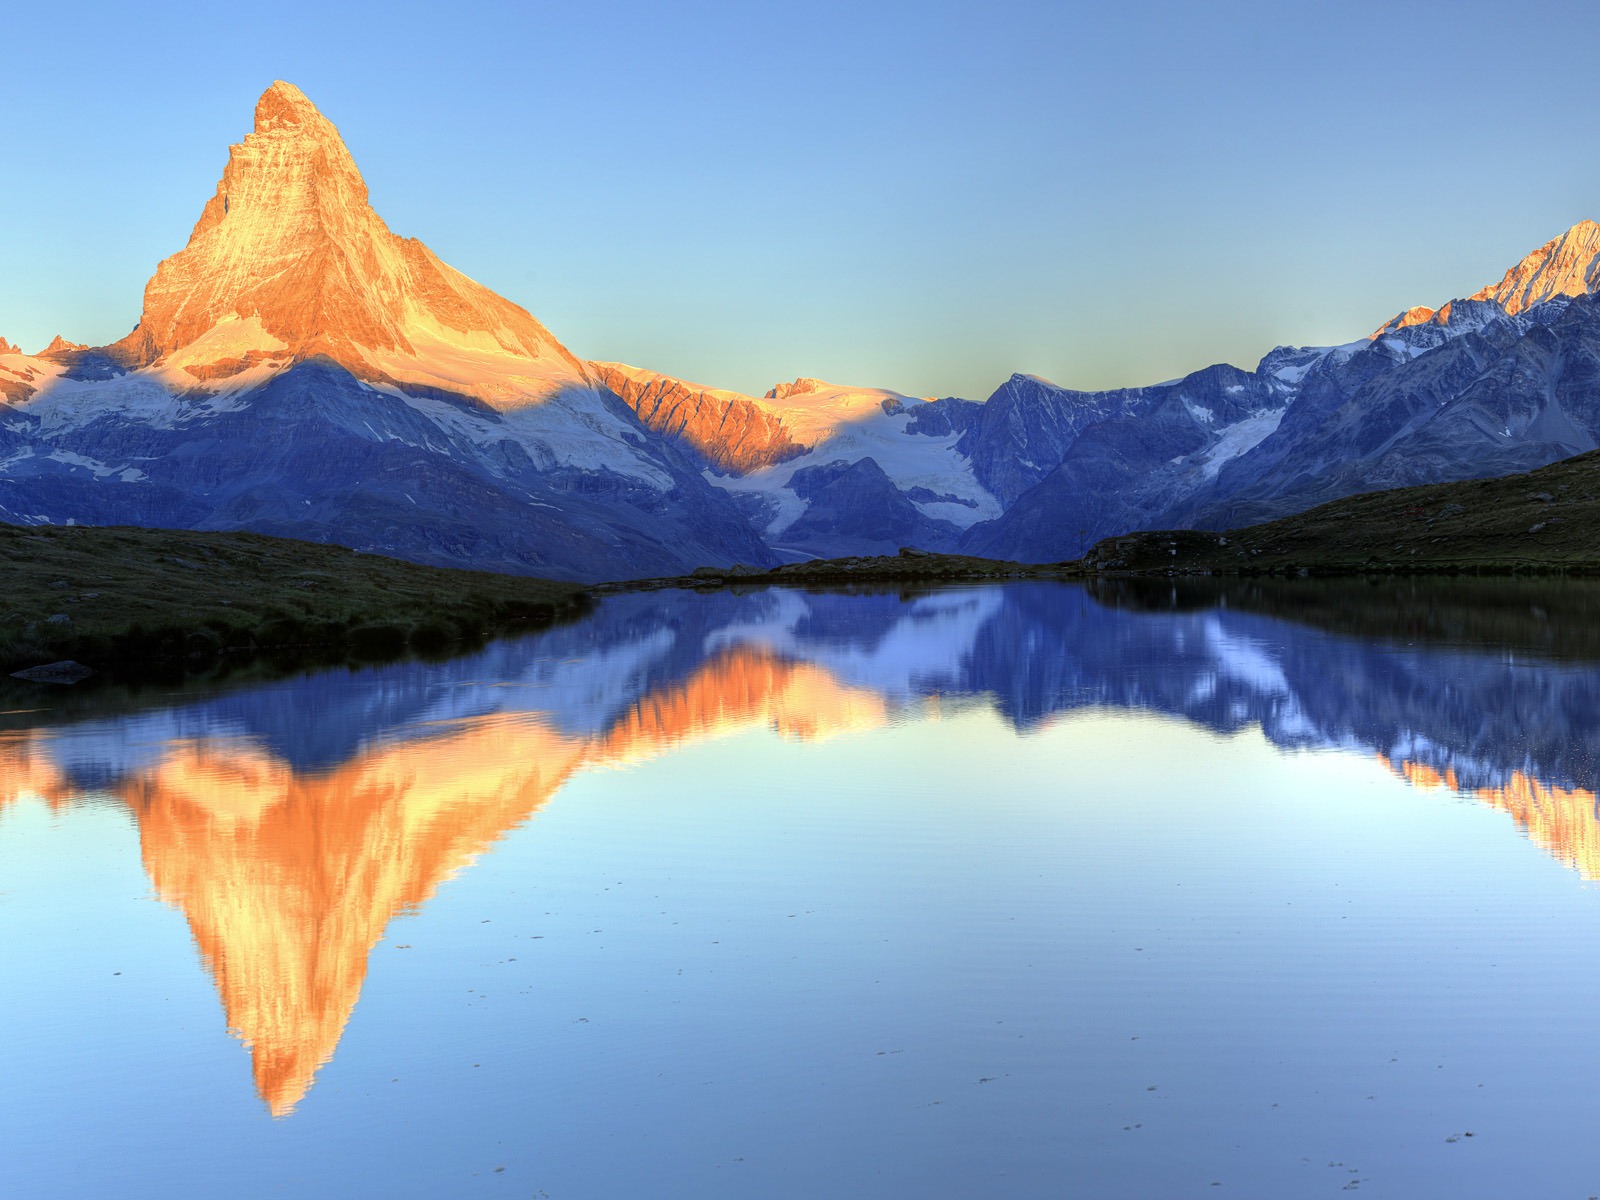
pixel 1018 890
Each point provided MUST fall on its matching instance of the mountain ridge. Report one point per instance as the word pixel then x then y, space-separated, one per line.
pixel 289 259
pixel 301 370
pixel 1567 265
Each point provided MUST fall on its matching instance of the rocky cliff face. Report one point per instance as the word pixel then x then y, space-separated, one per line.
pixel 289 261
pixel 17 374
pixel 1568 265
pixel 731 432
pixel 1565 266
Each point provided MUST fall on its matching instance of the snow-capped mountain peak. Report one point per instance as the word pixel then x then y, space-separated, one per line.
pixel 814 410
pixel 802 386
pixel 288 262
pixel 1568 265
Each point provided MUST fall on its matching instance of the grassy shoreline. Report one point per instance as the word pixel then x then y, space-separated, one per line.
pixel 1543 522
pixel 909 566
pixel 123 598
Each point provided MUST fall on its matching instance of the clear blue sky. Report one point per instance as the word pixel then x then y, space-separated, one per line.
pixel 920 196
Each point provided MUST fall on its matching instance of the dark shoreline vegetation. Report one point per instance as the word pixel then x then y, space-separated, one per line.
pixel 150 604
pixel 145 605
pixel 1539 522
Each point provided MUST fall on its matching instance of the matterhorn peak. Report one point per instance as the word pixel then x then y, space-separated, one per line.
pixel 285 106
pixel 288 261
pixel 1568 265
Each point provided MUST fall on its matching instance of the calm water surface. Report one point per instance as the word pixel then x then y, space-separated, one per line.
pixel 1002 891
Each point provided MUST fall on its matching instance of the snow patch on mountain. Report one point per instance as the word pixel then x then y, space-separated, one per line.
pixel 813 410
pixel 63 404
pixel 233 339
pixel 912 461
pixel 1237 439
pixel 95 467
pixel 474 364
pixel 926 648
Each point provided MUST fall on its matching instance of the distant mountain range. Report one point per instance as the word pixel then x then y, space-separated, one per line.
pixel 300 370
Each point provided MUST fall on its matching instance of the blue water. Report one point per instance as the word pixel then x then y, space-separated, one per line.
pixel 986 892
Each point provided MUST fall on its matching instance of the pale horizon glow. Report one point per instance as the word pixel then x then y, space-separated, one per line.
pixel 925 198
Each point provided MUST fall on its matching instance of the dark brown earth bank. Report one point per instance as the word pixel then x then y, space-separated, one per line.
pixel 1544 521
pixel 125 599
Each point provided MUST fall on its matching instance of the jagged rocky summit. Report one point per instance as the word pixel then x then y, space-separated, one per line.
pixel 1568 265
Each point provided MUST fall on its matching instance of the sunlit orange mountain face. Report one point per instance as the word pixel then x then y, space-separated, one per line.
pixel 1561 821
pixel 289 261
pixel 291 823
pixel 1568 265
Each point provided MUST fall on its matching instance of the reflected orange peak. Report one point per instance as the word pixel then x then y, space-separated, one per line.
pixel 289 878
pixel 1560 821
pixel 28 770
pixel 740 689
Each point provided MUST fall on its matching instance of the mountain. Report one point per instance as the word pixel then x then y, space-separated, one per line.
pixel 1512 394
pixel 731 432
pixel 1504 381
pixel 1495 383
pixel 300 370
pixel 866 471
pixel 1120 453
pixel 1568 265
pixel 818 468
pixel 289 259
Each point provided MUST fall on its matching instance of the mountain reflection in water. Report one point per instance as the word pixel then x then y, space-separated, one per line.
pixel 291 822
